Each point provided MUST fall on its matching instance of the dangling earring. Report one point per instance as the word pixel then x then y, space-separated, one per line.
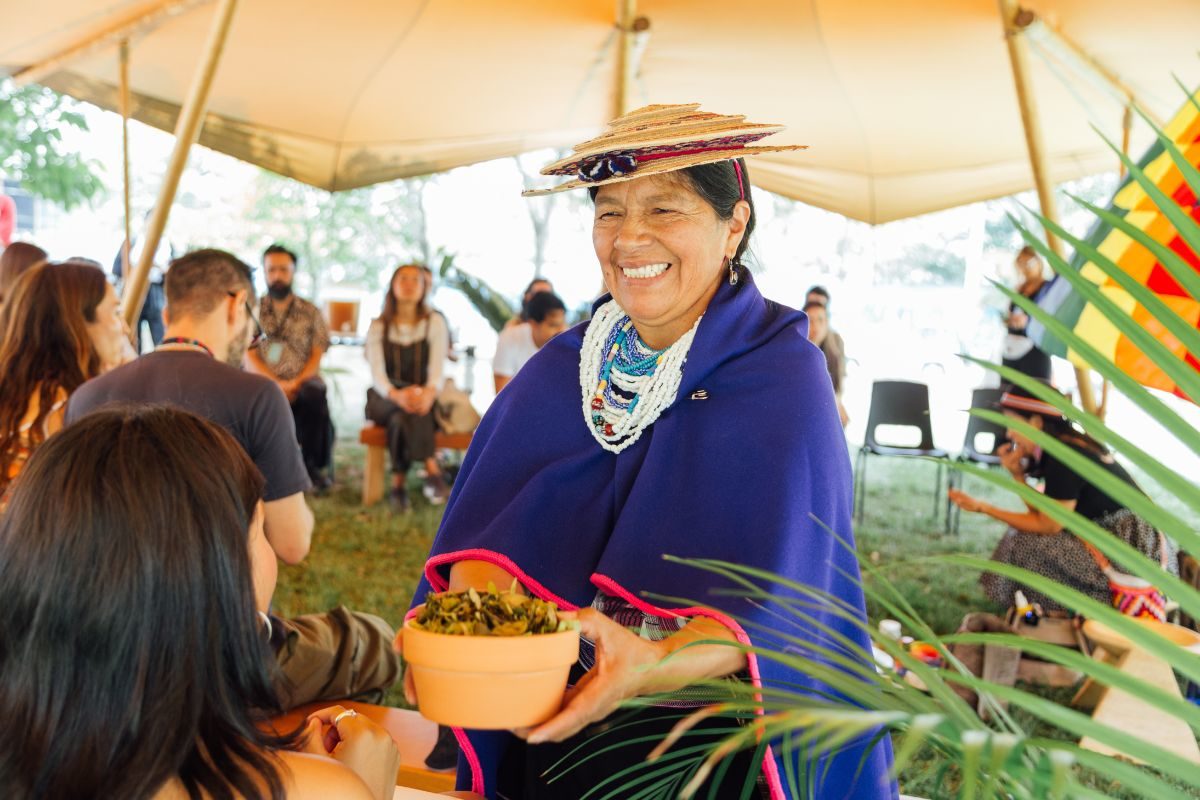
pixel 734 266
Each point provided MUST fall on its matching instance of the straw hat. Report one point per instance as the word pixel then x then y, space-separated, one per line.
pixel 659 138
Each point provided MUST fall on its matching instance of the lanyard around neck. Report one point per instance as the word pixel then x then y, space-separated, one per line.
pixel 195 344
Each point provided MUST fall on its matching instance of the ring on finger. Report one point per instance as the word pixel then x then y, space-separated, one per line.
pixel 348 713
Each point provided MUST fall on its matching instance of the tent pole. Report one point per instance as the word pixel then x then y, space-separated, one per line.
pixel 187 130
pixel 1126 129
pixel 626 14
pixel 146 18
pixel 1015 20
pixel 124 101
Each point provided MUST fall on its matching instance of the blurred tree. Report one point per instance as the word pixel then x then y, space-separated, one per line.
pixel 926 264
pixel 999 233
pixel 359 235
pixel 490 304
pixel 33 120
pixel 540 208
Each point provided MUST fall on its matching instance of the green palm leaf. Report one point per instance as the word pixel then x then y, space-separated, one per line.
pixel 1169 479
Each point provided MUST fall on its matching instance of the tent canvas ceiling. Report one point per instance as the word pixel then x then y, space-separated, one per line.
pixel 907 107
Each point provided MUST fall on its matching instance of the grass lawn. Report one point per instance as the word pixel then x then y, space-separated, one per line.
pixel 370 560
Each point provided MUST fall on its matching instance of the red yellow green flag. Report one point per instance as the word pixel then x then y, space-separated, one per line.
pixel 1133 204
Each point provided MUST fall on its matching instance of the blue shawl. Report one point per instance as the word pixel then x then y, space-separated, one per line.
pixel 732 471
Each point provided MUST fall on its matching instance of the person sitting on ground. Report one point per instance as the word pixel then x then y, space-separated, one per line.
pixel 134 574
pixel 536 286
pixel 61 328
pixel 1036 542
pixel 819 334
pixel 16 258
pixel 406 349
pixel 547 318
pixel 209 322
pixel 295 337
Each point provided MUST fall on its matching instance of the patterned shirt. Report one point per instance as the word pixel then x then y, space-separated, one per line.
pixel 290 336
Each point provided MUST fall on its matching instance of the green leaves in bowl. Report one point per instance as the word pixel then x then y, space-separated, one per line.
pixel 491 613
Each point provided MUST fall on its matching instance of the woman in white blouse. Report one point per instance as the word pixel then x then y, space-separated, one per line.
pixel 406 348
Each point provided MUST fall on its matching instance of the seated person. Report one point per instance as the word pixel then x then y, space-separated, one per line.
pixel 134 574
pixel 406 349
pixel 1036 542
pixel 547 318
pixel 295 337
pixel 62 328
pixel 536 286
pixel 209 326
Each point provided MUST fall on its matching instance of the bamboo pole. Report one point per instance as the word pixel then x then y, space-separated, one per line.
pixel 626 14
pixel 1126 130
pixel 1015 20
pixel 187 130
pixel 142 20
pixel 124 104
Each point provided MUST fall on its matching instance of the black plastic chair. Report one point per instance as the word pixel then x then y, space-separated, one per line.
pixel 980 446
pixel 902 403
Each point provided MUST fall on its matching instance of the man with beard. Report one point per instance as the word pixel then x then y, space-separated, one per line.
pixel 197 366
pixel 295 337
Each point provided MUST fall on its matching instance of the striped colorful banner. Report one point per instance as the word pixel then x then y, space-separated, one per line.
pixel 1132 203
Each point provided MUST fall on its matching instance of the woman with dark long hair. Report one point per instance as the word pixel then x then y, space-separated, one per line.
pixel 60 327
pixel 133 567
pixel 406 349
pixel 1037 542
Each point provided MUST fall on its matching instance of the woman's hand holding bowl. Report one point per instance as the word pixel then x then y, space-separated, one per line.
pixel 623 660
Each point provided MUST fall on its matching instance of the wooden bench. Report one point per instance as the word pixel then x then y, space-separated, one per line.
pixel 1123 711
pixel 375 468
pixel 414 736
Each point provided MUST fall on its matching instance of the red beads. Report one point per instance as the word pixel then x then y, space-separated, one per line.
pixel 608 429
pixel 597 403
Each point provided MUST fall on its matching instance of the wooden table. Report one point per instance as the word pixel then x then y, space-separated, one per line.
pixel 414 736
pixel 1123 711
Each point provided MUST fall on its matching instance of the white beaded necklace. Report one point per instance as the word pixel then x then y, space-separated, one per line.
pixel 615 426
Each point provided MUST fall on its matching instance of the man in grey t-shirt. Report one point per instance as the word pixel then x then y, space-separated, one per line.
pixel 197 367
pixel 209 322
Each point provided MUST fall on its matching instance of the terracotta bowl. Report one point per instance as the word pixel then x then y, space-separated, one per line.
pixel 489 682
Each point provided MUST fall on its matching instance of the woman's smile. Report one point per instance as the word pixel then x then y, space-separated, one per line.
pixel 646 272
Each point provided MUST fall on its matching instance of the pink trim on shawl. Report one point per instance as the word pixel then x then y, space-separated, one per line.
pixel 468 750
pixel 611 587
pixel 503 562
pixel 608 586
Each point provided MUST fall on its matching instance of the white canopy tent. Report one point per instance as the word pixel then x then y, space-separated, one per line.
pixel 907 107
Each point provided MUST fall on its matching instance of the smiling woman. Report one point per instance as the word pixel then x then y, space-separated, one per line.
pixel 662 244
pixel 689 417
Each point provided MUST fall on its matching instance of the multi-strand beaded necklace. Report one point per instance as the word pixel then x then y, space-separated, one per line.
pixel 625 384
